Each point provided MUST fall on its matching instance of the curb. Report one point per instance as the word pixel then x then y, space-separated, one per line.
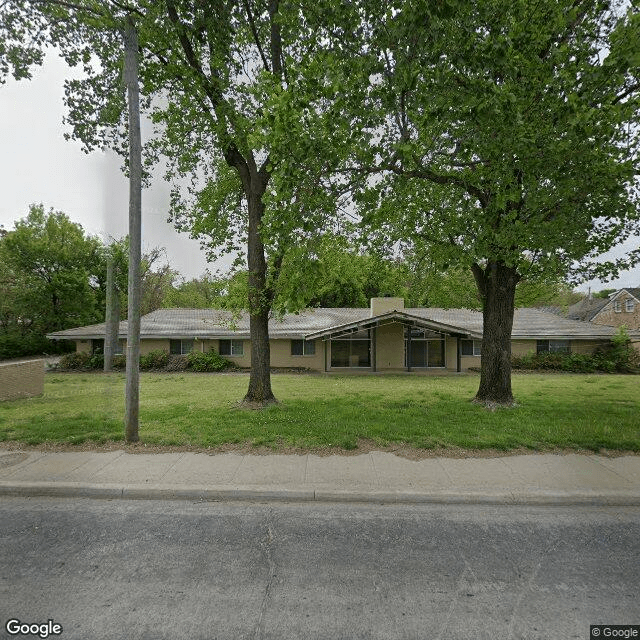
pixel 273 494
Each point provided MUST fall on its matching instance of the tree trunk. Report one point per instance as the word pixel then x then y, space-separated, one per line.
pixel 259 392
pixel 135 235
pixel 112 317
pixel 497 287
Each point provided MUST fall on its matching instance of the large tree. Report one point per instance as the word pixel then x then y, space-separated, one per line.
pixel 51 278
pixel 498 134
pixel 207 71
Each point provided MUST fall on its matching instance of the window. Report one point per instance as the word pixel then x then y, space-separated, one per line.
pixel 303 348
pixel 427 348
pixel 553 346
pixel 617 307
pixel 180 347
pixel 352 351
pixel 231 348
pixel 629 306
pixel 472 347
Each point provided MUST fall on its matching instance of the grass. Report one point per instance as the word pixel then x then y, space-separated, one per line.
pixel 554 411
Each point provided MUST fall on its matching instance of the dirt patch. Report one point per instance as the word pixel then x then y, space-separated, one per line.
pixel 364 446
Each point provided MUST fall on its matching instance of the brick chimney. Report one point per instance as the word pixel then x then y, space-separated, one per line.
pixel 385 305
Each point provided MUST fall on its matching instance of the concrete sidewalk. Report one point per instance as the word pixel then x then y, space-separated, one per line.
pixel 372 477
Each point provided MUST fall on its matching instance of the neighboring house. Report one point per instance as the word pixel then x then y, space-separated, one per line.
pixel 385 337
pixel 621 309
pixel 586 309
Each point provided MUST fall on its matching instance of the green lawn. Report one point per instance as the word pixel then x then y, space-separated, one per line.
pixel 554 411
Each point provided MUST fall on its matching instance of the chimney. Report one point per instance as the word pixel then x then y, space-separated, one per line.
pixel 385 305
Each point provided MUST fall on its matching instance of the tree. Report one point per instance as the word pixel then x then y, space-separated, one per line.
pixel 206 70
pixel 499 135
pixel 51 279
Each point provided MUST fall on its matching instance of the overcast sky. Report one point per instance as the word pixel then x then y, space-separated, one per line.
pixel 37 165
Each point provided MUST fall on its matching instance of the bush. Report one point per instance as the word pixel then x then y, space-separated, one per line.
pixel 176 363
pixel 618 356
pixel 154 360
pixel 211 361
pixel 74 361
pixel 119 361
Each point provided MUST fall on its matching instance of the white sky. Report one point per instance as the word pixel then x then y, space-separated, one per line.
pixel 37 165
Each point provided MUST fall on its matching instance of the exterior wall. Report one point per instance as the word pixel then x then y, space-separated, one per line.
pixel 451 354
pixel 281 356
pixel 523 347
pixel 389 346
pixel 630 319
pixel 21 379
pixel 244 360
pixel 83 346
pixel 147 346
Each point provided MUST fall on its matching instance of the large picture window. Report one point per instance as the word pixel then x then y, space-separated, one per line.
pixel 303 348
pixel 426 349
pixel 231 347
pixel 352 351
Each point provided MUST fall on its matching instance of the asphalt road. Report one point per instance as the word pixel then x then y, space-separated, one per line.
pixel 152 569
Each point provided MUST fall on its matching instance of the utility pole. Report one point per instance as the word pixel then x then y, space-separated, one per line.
pixel 135 236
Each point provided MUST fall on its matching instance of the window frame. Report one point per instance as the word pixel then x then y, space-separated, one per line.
pixel 308 347
pixel 476 348
pixel 234 343
pixel 554 346
pixel 629 305
pixel 183 342
pixel 617 306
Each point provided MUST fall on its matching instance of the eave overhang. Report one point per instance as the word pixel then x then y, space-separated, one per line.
pixel 393 317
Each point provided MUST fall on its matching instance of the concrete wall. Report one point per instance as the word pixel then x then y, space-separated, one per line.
pixel 21 379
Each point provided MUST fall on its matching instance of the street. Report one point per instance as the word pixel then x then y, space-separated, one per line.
pixel 171 569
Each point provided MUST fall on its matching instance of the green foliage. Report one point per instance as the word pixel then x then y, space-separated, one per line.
pixel 617 357
pixel 51 276
pixel 74 361
pixel 211 361
pixel 157 359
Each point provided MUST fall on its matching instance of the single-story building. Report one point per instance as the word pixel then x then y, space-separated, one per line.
pixel 384 337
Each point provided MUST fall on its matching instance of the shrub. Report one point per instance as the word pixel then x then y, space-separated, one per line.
pixel 176 363
pixel 74 361
pixel 154 360
pixel 211 361
pixel 618 356
pixel 119 361
pixel 96 360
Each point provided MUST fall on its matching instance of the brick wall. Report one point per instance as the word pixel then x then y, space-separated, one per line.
pixel 630 319
pixel 21 379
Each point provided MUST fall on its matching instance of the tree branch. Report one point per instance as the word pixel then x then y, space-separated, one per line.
pixel 254 31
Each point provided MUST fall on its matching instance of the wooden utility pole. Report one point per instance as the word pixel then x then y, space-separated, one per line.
pixel 135 223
